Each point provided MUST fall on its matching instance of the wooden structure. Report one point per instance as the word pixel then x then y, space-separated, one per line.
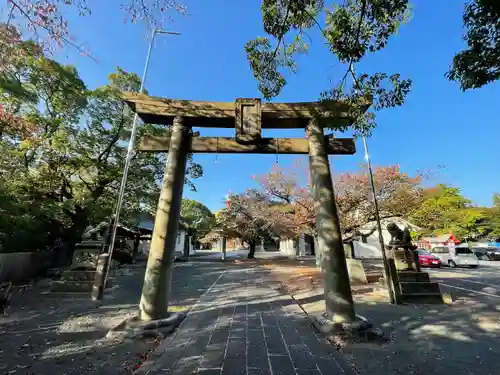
pixel 248 117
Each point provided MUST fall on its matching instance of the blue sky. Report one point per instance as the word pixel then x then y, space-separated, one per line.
pixel 438 126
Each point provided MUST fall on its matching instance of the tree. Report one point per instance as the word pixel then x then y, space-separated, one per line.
pixel 440 208
pixel 469 223
pixel 351 29
pixel 479 63
pixel 35 155
pixel 245 217
pixel 45 22
pixel 292 212
pixel 445 210
pixel 396 191
pixel 496 200
pixel 61 169
pixel 493 219
pixel 197 217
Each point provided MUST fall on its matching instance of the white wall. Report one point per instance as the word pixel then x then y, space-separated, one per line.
pixel 179 244
pixel 370 249
pixel 288 247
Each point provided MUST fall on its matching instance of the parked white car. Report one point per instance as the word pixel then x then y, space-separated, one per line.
pixel 455 256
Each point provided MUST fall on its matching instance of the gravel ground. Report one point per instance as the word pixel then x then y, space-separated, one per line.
pixel 49 334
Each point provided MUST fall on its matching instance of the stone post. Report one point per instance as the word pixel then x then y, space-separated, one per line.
pixel 338 297
pixel 416 260
pixel 100 275
pixel 157 281
pixel 302 245
pixel 135 251
pixel 186 246
pixel 223 242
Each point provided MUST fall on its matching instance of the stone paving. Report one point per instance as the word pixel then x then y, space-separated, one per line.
pixel 243 324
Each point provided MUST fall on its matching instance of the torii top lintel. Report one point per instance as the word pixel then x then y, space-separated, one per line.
pixel 155 110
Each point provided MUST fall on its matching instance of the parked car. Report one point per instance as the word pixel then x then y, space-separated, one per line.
pixel 455 256
pixel 486 253
pixel 426 259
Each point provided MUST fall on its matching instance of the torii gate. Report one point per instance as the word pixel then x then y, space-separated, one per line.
pixel 247 117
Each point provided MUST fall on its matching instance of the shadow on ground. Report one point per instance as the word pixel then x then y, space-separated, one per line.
pixel 245 325
pixel 462 338
pixel 48 334
pixel 459 339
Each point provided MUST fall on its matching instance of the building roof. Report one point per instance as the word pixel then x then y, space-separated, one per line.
pixel 145 227
pixel 122 230
pixel 399 221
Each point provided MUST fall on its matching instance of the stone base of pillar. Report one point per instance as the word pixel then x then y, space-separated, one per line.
pixel 360 329
pixel 134 328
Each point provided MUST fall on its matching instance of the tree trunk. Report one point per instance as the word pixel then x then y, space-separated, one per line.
pixel 253 246
pixel 73 235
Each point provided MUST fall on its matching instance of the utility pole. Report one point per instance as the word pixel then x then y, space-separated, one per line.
pixel 387 272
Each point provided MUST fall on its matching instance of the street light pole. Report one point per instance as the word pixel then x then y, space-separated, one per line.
pixel 387 273
pixel 130 151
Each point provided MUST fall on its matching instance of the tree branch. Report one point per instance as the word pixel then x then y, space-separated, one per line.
pixel 52 33
pixel 282 35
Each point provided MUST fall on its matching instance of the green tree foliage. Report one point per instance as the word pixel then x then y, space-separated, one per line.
pixel 479 63
pixel 493 218
pixel 197 217
pixel 62 157
pixel 352 29
pixel 445 210
pixel 496 200
pixel 439 207
pixel 470 223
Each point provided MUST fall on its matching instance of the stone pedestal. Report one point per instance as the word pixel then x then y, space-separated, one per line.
pixel 80 277
pixel 357 274
pixel 403 259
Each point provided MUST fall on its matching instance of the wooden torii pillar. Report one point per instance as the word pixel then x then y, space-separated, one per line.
pixel 247 117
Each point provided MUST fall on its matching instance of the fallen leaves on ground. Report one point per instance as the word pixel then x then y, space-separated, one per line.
pixel 295 278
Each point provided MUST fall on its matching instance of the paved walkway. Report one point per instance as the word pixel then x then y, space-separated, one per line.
pixel 244 325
